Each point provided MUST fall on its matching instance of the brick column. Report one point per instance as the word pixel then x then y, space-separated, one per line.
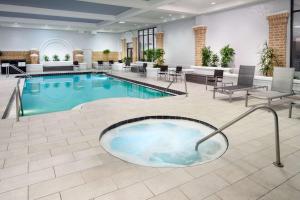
pixel 159 40
pixel 278 35
pixel 34 56
pixel 124 48
pixel 78 55
pixel 200 37
pixel 134 49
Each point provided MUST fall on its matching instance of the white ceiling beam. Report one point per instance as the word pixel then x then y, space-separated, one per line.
pixel 125 3
pixel 52 12
pixel 13 20
pixel 134 12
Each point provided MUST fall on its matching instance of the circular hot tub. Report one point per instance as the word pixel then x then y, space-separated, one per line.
pixel 163 141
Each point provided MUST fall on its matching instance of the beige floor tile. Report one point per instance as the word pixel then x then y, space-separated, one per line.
pixel 270 177
pixel 103 171
pixel 170 195
pixel 89 190
pixel 295 182
pixel 284 192
pixel 54 185
pixel 69 148
pixel 13 171
pixel 26 179
pixel 76 166
pixel 18 194
pixel 213 197
pixel 49 162
pixel 168 180
pixel 135 192
pixel 51 197
pixel 203 187
pixel 88 152
pixel 236 171
pixel 134 175
pixel 242 190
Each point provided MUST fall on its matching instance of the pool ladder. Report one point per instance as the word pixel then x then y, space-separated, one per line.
pixel 18 70
pixel 185 85
pixel 19 105
pixel 277 163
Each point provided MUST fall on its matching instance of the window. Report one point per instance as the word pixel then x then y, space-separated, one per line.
pixel 146 40
pixel 295 34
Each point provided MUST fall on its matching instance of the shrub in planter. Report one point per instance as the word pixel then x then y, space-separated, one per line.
pixel 55 58
pixel 106 53
pixel 206 56
pixel 46 58
pixel 214 60
pixel 67 57
pixel 227 55
pixel 268 59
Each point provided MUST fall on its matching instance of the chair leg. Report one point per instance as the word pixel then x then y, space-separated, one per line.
pixel 214 93
pixel 247 99
pixel 291 109
pixel 230 97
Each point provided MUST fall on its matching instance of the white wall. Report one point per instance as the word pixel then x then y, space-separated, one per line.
pixel 14 39
pixel 244 28
pixel 179 42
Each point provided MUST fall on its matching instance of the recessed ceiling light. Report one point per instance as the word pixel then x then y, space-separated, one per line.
pixel 170 15
pixel 161 17
pixel 182 16
pixel 213 3
pixel 121 22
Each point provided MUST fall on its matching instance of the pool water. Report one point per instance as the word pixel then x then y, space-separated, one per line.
pixel 163 143
pixel 45 94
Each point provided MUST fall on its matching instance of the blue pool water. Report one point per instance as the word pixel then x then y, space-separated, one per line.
pixel 53 93
pixel 163 143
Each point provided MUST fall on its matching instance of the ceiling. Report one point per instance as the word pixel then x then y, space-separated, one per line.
pixel 104 15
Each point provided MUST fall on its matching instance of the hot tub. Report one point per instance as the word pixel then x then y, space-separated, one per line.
pixel 163 141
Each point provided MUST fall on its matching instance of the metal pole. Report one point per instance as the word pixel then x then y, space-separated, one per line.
pixel 185 85
pixel 17 104
pixel 277 139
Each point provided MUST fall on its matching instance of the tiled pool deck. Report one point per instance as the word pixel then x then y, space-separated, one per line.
pixel 57 156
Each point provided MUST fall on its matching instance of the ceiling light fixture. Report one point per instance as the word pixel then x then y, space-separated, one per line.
pixel 170 15
pixel 121 22
pixel 213 3
pixel 182 16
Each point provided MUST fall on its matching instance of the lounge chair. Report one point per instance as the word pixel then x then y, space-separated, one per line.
pixel 282 86
pixel 163 71
pixel 245 83
pixel 75 65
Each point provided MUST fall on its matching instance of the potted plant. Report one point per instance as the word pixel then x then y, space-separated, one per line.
pixel 159 57
pixel 206 56
pixel 67 57
pixel 149 54
pixel 46 58
pixel 55 57
pixel 227 55
pixel 106 53
pixel 268 59
pixel 214 60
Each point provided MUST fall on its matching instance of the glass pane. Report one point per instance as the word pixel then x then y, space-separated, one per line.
pixel 145 42
pixel 296 42
pixel 296 4
pixel 140 32
pixel 150 31
pixel 151 42
pixel 141 48
pixel 146 32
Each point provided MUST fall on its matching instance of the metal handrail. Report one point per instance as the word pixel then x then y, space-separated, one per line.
pixel 19 105
pixel 185 85
pixel 277 143
pixel 17 69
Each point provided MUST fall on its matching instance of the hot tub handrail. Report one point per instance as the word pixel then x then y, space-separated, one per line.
pixel 277 163
pixel 19 105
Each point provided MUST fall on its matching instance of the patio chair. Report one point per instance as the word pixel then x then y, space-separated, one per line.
pixel 245 83
pixel 127 65
pixel 282 86
pixel 177 73
pixel 100 65
pixel 163 71
pixel 215 79
pixel 143 70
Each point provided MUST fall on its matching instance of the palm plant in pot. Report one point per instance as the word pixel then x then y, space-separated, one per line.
pixel 268 59
pixel 106 53
pixel 227 56
pixel 67 57
pixel 46 58
pixel 206 56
